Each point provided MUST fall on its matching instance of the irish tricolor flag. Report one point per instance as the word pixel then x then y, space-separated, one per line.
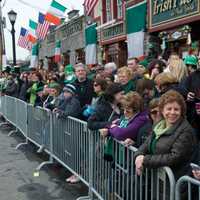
pixel 136 23
pixel 91 44
pixel 55 13
pixel 32 31
pixel 34 55
pixel 57 57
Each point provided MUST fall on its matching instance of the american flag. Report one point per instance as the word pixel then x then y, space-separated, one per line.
pixel 43 27
pixel 23 39
pixel 89 6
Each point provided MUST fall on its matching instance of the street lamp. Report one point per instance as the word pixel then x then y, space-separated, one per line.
pixel 12 15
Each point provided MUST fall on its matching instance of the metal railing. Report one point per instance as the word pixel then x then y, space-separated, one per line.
pixel 82 151
pixel 187 188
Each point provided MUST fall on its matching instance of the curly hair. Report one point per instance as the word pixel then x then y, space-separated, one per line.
pixel 125 70
pixel 134 101
pixel 170 97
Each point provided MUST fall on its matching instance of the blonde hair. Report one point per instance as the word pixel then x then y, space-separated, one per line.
pixel 165 78
pixel 127 71
pixel 177 67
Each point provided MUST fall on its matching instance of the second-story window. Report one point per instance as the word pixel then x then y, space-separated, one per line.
pixel 108 11
pixel 119 9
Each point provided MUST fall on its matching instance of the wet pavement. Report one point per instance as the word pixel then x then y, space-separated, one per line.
pixel 17 181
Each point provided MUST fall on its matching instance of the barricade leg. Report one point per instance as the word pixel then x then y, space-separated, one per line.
pixel 12 132
pixel 4 124
pixel 84 198
pixel 21 144
pixel 49 162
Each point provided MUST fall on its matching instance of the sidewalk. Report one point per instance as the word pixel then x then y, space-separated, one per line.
pixel 16 174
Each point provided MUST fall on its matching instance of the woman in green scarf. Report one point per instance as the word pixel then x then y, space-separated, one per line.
pixel 125 76
pixel 172 142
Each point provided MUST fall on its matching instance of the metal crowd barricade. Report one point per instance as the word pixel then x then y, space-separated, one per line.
pixel 82 152
pixel 187 187
pixel 116 179
pixel 39 123
pixel 22 118
pixel 2 105
pixel 10 111
pixel 71 146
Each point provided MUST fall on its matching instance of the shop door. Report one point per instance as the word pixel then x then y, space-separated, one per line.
pixel 117 53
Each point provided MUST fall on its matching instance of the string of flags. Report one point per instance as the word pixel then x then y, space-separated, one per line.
pixel 38 30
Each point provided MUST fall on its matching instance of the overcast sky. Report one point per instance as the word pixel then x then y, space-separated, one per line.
pixel 25 12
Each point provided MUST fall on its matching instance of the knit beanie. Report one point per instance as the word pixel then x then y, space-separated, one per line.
pixel 70 88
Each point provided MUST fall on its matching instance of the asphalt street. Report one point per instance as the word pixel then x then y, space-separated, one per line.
pixel 17 180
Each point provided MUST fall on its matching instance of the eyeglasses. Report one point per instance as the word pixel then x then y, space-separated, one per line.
pixel 154 112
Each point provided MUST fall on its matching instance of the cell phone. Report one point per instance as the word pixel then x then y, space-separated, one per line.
pixel 195 167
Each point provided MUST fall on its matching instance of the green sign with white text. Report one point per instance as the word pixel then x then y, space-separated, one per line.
pixel 164 11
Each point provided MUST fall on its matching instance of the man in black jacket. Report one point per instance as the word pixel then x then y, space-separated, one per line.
pixel 191 88
pixel 12 87
pixel 84 86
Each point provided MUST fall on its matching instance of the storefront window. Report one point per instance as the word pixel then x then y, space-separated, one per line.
pixel 119 9
pixel 108 11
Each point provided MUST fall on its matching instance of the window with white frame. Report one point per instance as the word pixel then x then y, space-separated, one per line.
pixel 108 11
pixel 119 9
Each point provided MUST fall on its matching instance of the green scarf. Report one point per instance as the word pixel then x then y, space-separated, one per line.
pixel 160 129
pixel 128 87
pixel 33 95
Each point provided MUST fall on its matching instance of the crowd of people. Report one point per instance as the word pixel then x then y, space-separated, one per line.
pixel 154 106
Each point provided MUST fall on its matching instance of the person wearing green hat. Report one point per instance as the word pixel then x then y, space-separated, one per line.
pixel 69 74
pixel 52 101
pixel 191 88
pixel 191 61
pixel 144 63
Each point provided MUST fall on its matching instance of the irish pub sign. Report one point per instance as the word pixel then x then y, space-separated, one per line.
pixel 165 11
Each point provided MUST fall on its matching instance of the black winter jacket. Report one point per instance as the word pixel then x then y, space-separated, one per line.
pixel 192 84
pixel 12 89
pixel 103 112
pixel 84 91
pixel 69 107
pixel 175 149
pixel 23 90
